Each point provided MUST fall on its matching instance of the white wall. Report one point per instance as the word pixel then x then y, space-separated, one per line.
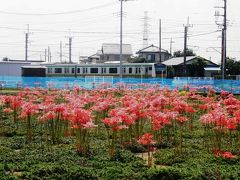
pixel 11 69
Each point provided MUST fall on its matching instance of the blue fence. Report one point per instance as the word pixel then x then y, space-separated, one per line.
pixel 232 86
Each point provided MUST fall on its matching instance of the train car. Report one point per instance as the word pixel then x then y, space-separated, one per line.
pixel 104 69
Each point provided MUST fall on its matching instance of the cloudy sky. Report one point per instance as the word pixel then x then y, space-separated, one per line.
pixel 94 22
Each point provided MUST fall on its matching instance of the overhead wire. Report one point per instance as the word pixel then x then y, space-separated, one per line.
pixel 58 13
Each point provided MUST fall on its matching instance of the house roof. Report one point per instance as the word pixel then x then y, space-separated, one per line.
pixel 212 69
pixel 115 49
pixel 175 61
pixel 152 49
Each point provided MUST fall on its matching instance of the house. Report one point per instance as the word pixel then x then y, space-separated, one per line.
pixel 111 52
pixel 196 67
pixel 151 54
pixel 95 58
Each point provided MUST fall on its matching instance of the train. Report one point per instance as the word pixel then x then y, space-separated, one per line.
pixel 104 69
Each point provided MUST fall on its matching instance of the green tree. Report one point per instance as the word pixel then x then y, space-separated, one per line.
pixel 196 69
pixel 232 66
pixel 179 53
pixel 136 60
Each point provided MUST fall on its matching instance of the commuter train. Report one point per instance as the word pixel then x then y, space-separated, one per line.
pixel 105 69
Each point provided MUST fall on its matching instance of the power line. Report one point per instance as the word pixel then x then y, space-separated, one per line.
pixel 58 13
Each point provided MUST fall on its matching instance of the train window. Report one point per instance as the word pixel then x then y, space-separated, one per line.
pixel 50 70
pixel 73 70
pixel 130 70
pixel 112 70
pixel 78 70
pixel 94 70
pixel 66 70
pixel 103 70
pixel 58 70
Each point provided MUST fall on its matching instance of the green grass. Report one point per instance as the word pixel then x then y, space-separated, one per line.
pixel 20 159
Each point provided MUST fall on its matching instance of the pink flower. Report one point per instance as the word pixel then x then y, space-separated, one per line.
pixel 146 139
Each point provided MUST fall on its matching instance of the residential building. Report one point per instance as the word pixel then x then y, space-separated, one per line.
pixel 111 52
pixel 196 67
pixel 151 54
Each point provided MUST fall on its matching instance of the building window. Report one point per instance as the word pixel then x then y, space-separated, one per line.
pixel 73 70
pixel 78 70
pixel 146 70
pixel 124 70
pixel 107 58
pixel 94 70
pixel 130 70
pixel 86 70
pixel 66 70
pixel 151 57
pixel 149 68
pixel 58 70
pixel 112 70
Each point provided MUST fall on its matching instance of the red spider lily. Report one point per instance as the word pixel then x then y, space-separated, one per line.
pixel 80 117
pixel 228 155
pixel 8 110
pixel 182 119
pixel 28 109
pixel 146 139
pixel 112 122
pixel 224 94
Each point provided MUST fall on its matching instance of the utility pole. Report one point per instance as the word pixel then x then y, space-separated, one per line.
pixel 121 36
pixel 223 26
pixel 145 29
pixel 185 47
pixel 45 55
pixel 160 41
pixel 69 48
pixel 26 43
pixel 224 41
pixel 49 55
pixel 171 42
pixel 61 51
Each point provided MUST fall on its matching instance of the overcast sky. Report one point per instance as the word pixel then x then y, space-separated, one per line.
pixel 94 22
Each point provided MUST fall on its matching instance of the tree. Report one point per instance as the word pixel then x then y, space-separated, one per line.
pixel 179 53
pixel 232 66
pixel 196 69
pixel 136 60
pixel 5 59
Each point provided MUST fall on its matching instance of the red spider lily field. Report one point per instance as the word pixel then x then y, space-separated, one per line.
pixel 119 133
